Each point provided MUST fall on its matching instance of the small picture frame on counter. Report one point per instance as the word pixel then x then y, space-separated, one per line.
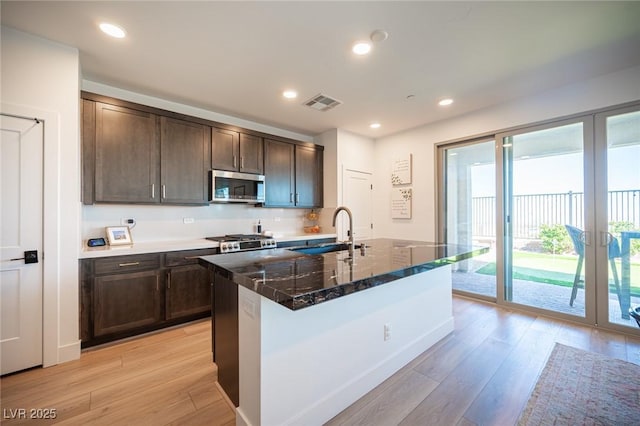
pixel 118 235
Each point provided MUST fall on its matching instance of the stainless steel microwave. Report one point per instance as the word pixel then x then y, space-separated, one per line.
pixel 234 187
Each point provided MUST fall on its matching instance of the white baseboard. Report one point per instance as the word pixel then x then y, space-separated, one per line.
pixel 68 352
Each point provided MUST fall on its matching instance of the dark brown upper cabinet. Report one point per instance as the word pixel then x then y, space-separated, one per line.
pixel 126 154
pixel 236 152
pixel 293 175
pixel 134 156
pixel 184 154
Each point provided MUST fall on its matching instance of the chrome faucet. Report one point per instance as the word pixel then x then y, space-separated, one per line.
pixel 335 215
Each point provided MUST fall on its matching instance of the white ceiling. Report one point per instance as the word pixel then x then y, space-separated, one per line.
pixel 237 57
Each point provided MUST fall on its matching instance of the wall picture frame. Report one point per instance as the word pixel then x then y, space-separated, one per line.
pixel 118 235
pixel 401 170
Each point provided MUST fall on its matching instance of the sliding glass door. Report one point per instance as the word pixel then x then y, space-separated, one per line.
pixel 544 218
pixel 470 212
pixel 618 221
pixel 561 216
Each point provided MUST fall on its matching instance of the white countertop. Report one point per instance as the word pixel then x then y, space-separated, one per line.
pixel 176 245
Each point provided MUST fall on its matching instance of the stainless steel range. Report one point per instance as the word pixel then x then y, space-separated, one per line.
pixel 243 242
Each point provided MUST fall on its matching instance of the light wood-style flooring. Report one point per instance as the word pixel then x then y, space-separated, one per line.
pixel 167 378
pixel 482 374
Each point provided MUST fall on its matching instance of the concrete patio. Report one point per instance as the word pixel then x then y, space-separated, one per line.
pixel 541 295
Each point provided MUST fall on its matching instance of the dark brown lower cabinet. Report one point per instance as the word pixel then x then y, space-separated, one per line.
pixel 126 301
pixel 122 296
pixel 188 291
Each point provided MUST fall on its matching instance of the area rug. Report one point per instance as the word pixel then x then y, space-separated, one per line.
pixel 584 388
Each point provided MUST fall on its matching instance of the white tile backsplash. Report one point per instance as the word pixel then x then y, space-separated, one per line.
pixel 163 223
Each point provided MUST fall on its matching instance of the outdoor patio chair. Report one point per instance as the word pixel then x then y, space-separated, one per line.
pixel 577 237
pixel 635 314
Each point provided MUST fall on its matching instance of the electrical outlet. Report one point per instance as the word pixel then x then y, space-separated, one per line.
pixel 188 220
pixel 387 332
pixel 127 221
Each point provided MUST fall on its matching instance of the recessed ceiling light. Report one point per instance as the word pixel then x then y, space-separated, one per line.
pixel 290 94
pixel 361 48
pixel 374 125
pixel 112 30
pixel 445 102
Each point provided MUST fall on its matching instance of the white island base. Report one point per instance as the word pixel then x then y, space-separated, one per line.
pixel 304 367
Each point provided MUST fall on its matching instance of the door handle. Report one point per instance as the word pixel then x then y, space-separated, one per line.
pixel 30 256
pixel 605 238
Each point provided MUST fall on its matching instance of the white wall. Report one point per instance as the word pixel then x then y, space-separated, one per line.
pixel 41 76
pixel 608 90
pixel 166 223
pixel 343 150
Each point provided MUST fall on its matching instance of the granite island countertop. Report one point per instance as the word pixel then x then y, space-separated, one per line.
pixel 297 280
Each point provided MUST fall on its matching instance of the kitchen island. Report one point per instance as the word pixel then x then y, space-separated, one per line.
pixel 299 337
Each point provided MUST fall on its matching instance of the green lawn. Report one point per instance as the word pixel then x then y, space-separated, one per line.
pixel 555 269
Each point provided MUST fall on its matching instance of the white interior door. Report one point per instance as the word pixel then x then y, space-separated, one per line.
pixel 358 197
pixel 21 164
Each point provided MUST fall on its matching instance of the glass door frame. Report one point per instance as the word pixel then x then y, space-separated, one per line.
pixel 601 188
pixel 441 194
pixel 504 170
pixel 595 210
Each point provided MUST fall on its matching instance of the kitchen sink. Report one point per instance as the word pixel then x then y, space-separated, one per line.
pixel 323 248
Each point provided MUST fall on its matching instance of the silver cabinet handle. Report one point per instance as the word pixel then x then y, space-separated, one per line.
pixel 291 197
pixel 164 191
pixel 190 257
pixel 153 190
pixel 122 265
pixel 242 162
pixel 234 162
pixel 297 198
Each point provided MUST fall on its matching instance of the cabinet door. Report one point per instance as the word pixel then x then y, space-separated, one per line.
pixel 224 149
pixel 251 150
pixel 123 302
pixel 127 155
pixel 308 177
pixel 279 173
pixel 188 291
pixel 184 153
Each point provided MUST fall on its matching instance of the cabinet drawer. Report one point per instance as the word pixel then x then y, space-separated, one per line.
pixel 187 257
pixel 117 264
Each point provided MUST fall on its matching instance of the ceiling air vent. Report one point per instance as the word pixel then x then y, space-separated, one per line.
pixel 322 102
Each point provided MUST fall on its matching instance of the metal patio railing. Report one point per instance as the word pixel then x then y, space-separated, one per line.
pixel 533 210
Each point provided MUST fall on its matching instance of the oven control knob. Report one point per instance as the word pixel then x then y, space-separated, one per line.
pixel 236 246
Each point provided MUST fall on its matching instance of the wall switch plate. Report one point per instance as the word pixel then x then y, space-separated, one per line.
pixel 188 220
pixel 387 332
